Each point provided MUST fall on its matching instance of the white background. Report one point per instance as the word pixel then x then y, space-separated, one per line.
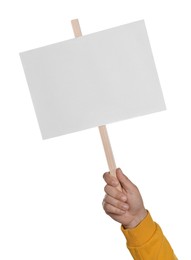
pixel 51 191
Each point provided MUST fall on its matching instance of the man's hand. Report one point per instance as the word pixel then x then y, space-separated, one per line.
pixel 125 207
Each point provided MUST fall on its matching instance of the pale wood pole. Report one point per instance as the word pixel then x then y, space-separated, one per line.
pixel 102 129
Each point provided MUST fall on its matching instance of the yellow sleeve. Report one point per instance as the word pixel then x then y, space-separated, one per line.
pixel 147 242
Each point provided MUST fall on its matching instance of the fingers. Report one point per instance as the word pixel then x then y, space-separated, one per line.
pixel 124 181
pixel 114 193
pixel 115 203
pixel 110 180
pixel 110 209
pixel 120 180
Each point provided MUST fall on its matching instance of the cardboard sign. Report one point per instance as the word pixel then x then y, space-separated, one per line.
pixel 93 80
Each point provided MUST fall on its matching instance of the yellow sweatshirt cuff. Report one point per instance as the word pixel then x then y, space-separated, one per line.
pixel 140 234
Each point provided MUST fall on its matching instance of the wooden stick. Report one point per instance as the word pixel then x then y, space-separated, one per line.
pixel 76 28
pixel 102 129
pixel 108 149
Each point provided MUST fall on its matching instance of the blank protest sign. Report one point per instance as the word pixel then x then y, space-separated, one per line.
pixel 93 80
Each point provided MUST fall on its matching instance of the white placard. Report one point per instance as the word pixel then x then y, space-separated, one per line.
pixel 93 80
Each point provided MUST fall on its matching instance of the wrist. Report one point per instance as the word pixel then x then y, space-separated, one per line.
pixel 137 220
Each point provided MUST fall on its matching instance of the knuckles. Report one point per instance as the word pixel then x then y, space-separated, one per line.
pixel 108 178
pixel 106 188
pixel 112 191
pixel 106 206
pixel 111 207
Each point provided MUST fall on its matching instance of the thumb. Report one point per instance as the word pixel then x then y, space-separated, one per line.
pixel 124 181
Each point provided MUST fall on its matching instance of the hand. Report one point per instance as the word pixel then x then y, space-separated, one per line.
pixel 126 206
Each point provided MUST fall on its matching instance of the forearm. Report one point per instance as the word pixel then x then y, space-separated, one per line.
pixel 147 242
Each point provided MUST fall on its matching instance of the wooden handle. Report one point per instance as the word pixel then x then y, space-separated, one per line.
pixel 108 149
pixel 76 28
pixel 108 152
pixel 102 129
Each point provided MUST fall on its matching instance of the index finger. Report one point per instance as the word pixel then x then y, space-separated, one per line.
pixel 110 180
